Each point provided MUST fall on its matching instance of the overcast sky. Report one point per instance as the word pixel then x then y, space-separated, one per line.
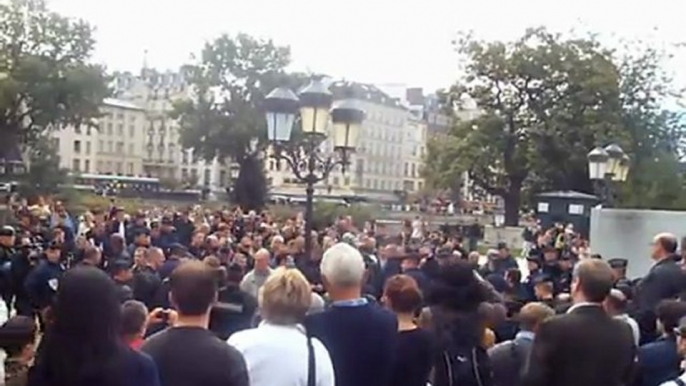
pixel 377 41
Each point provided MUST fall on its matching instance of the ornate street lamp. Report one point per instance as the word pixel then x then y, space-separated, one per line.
pixel 304 153
pixel 606 167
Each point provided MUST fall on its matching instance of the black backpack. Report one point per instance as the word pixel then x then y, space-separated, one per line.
pixel 459 363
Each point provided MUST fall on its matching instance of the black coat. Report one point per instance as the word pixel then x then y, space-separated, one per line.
pixel 583 347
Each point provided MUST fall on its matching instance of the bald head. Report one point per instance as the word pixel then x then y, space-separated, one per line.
pixel 262 258
pixel 664 246
pixel 154 257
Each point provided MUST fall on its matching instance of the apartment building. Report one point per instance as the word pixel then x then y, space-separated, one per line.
pixel 113 147
pixel 164 156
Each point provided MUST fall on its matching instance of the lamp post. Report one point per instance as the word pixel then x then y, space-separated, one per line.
pixel 304 154
pixel 606 167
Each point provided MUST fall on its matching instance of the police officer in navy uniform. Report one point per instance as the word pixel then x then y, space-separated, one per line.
pixel 7 252
pixel 619 267
pixel 42 282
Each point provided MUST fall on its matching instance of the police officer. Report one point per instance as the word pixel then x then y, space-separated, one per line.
pixel 563 282
pixel 122 273
pixel 42 282
pixel 7 251
pixel 619 272
pixel 23 262
pixel 534 265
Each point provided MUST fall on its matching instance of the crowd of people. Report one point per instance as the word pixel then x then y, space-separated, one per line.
pixel 198 297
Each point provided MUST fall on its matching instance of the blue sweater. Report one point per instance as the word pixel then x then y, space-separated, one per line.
pixel 361 342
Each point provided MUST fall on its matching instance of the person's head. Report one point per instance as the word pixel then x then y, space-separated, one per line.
pixel 533 314
pixel 276 243
pixel 456 287
pixel 139 256
pixel 668 313
pixel 410 261
pixel 142 237
pixel 198 238
pixel 533 263
pixel 615 303
pixel 402 295
pixel 549 254
pixel 664 245
pixel 285 297
pixel 618 267
pixel 544 287
pixel 262 258
pixel 193 288
pixel 473 258
pixel 681 338
pixel 85 328
pixel 7 236
pixel 92 256
pixel 342 267
pixel 119 214
pixel 121 270
pixel 18 338
pixel 591 281
pixel 503 251
pixel 134 317
pixel 154 258
pixel 513 276
pixel 54 252
pixel 116 242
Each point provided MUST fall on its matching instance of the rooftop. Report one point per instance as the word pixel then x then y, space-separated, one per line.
pixel 121 104
pixel 344 89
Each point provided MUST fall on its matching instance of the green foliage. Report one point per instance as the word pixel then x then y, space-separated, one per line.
pixel 225 120
pixel 44 175
pixel 545 100
pixel 45 78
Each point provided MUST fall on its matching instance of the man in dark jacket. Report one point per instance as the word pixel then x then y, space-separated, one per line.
pixel 122 274
pixel 23 263
pixel 146 280
pixel 665 280
pixel 509 358
pixel 184 228
pixel 659 360
pixel 585 346
pixel 410 267
pixel 234 309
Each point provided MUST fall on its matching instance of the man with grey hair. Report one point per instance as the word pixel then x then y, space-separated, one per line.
pixel 255 279
pixel 360 335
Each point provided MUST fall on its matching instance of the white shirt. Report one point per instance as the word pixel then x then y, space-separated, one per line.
pixel 672 383
pixel 277 356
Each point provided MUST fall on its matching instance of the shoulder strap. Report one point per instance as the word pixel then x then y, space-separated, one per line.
pixel 311 371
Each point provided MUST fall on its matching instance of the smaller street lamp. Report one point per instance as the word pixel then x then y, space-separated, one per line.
pixel 607 166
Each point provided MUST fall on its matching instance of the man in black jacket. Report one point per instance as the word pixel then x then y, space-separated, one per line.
pixel 665 280
pixel 585 346
pixel 146 280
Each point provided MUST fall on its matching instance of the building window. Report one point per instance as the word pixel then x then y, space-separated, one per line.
pixel 88 130
pixel 414 170
pixel 420 185
pixel 76 165
pixel 119 168
pixel 346 181
pixel 88 148
pixel 406 169
pixel 120 115
pixel 194 174
pixel 99 167
pixel 184 174
pixel 184 158
pixel 120 147
pixel 120 130
pixel 335 181
pixel 109 128
pixel 132 131
pixel 77 129
pixel 108 167
pixel 131 169
pixel 87 166
pixel 101 146
pixel 77 147
pixel 110 146
pixel 56 143
pixel 375 184
pixel 383 185
pixel 222 177
pixel 131 151
pixel 207 177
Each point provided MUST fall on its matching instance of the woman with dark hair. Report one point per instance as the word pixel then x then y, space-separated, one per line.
pixel 18 339
pixel 82 346
pixel 413 345
pixel 453 317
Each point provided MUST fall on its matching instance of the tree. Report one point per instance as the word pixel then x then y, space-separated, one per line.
pixel 544 101
pixel 45 78
pixel 44 175
pixel 225 118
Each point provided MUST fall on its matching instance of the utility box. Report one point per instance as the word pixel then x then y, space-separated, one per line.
pixel 567 207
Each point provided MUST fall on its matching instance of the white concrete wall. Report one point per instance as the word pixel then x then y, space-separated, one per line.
pixel 628 233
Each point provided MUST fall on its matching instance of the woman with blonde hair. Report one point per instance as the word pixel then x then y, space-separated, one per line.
pixel 279 351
